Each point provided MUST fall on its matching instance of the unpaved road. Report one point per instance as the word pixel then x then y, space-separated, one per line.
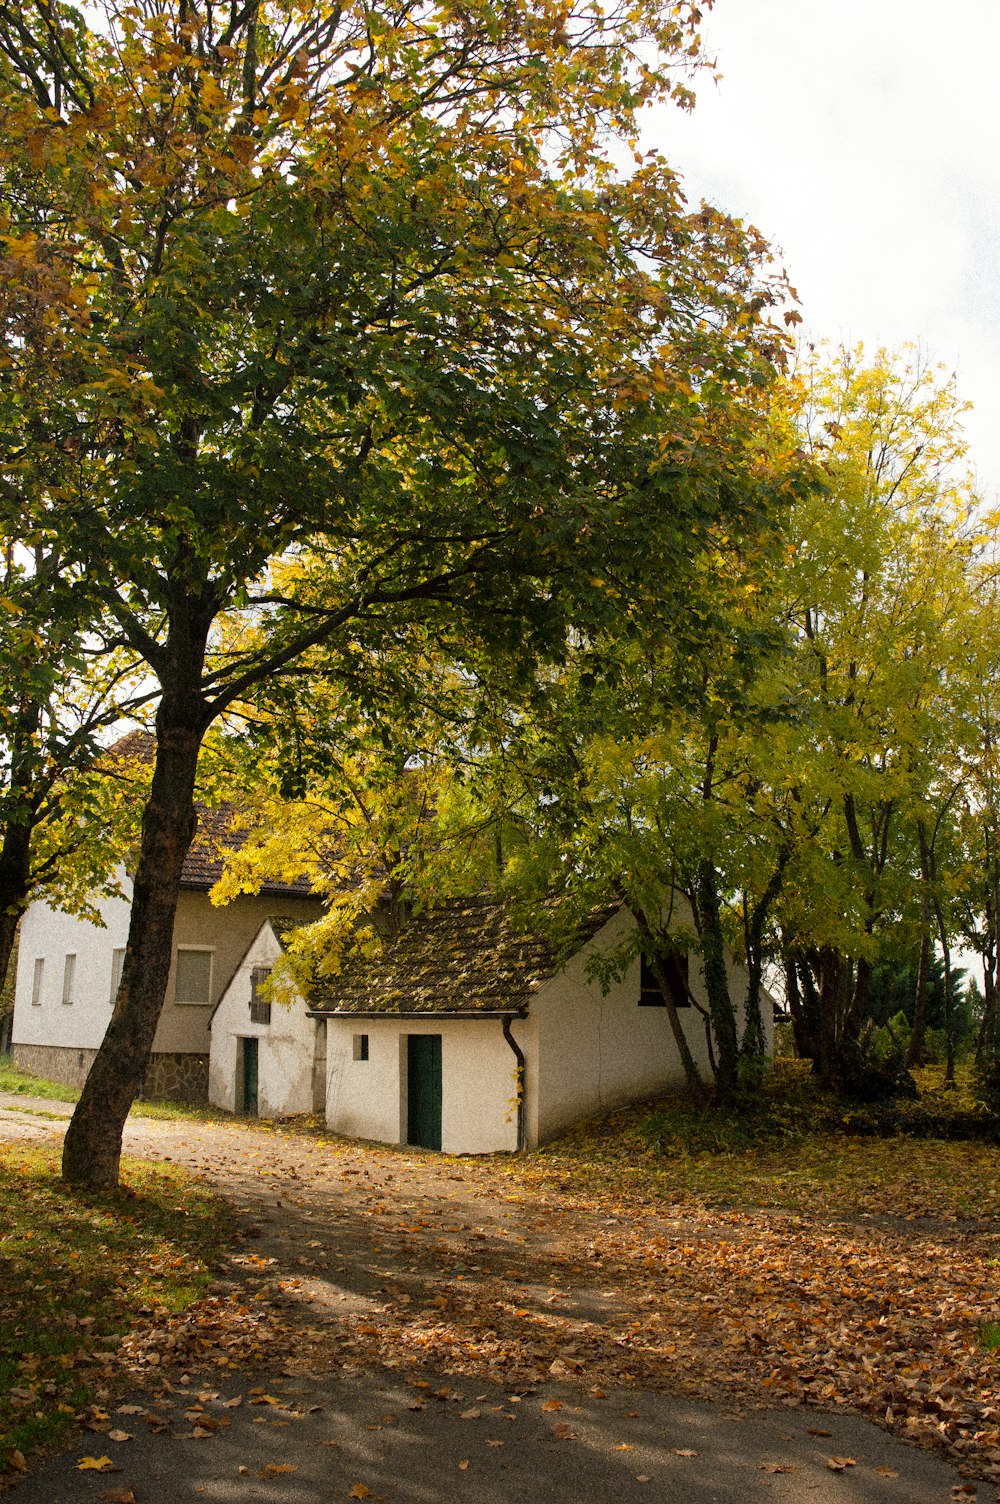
pixel 429 1333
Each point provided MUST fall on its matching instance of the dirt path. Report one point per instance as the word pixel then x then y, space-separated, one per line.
pixel 393 1272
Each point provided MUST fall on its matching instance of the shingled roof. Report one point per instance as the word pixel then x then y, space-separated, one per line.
pixel 465 957
pixel 213 840
pixel 214 837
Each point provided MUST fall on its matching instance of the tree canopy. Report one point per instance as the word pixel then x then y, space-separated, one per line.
pixel 364 285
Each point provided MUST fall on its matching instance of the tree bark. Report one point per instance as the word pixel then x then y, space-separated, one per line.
pixel 15 886
pixel 915 1052
pixel 92 1149
pixel 720 1003
pixel 949 1006
pixel 669 981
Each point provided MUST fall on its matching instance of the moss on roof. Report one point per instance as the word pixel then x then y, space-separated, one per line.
pixel 467 956
pixel 214 836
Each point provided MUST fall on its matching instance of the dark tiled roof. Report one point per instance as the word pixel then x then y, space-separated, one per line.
pixel 467 956
pixel 284 927
pixel 214 837
pixel 213 840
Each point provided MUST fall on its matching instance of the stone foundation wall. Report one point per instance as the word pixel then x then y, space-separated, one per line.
pixel 53 1061
pixel 180 1078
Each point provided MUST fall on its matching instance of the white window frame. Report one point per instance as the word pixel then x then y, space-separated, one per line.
pixel 37 981
pixel 117 962
pixel 201 950
pixel 69 978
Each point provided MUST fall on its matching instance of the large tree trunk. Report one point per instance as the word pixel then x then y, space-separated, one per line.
pixel 93 1141
pixel 21 813
pixel 15 885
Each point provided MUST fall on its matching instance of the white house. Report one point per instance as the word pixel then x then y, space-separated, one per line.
pixel 266 1058
pixel 464 1034
pixel 68 971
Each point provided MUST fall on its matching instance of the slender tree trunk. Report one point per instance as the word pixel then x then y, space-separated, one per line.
pixel 986 1042
pixel 720 1003
pixel 93 1141
pixel 915 1053
pixel 828 1033
pixel 668 982
pixel 949 1004
pixel 793 997
pixel 803 1002
pixel 753 1024
pixel 857 1006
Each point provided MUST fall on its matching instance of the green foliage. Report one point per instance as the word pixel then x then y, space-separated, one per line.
pixel 793 1105
pixel 987 1080
pixel 989 1336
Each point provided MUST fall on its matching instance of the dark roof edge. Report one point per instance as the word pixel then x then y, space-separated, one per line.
pixel 510 1013
pixel 266 890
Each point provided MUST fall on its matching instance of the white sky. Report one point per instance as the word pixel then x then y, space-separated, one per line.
pixel 862 138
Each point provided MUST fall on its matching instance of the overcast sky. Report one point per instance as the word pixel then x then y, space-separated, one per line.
pixel 862 137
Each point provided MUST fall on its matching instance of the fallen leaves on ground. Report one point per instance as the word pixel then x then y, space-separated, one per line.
pixel 699 1278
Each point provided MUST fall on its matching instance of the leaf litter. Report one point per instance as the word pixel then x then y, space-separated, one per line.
pixel 856 1299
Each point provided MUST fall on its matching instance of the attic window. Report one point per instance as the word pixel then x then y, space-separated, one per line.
pixel 650 995
pixel 69 977
pixel 260 1008
pixel 360 1046
pixel 37 981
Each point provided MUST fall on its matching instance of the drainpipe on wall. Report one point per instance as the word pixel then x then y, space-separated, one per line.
pixel 521 1082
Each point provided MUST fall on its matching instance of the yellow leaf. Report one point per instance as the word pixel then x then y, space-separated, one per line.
pixel 96 1465
pixel 358 1492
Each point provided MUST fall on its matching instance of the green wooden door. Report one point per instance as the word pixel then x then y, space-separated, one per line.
pixel 250 1077
pixel 423 1090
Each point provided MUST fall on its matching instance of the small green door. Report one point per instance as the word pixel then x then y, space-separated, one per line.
pixel 250 1077
pixel 423 1090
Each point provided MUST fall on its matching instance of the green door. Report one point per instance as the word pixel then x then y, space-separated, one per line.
pixel 423 1090
pixel 250 1077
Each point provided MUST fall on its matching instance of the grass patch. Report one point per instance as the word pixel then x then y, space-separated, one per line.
pixel 75 1270
pixel 797 1149
pixel 989 1336
pixel 24 1084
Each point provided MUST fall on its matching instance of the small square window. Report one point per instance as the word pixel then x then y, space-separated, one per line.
pixel 69 977
pixel 193 980
pixel 650 995
pixel 260 1008
pixel 37 982
pixel 361 1046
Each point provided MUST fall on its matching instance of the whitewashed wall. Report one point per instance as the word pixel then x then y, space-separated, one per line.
pixel 47 934
pixel 367 1098
pixel 183 1027
pixel 597 1052
pixel 228 932
pixel 286 1045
